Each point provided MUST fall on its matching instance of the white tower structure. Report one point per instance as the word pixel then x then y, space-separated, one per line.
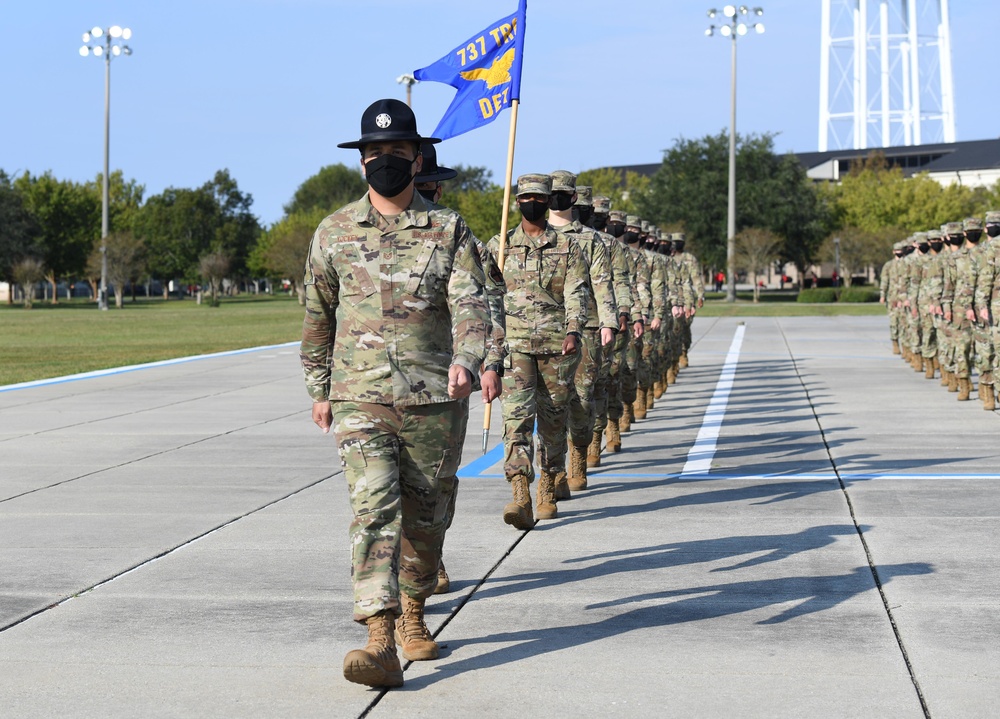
pixel 885 74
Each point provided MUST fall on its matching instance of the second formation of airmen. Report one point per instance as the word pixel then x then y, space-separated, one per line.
pixel 578 322
pixel 942 292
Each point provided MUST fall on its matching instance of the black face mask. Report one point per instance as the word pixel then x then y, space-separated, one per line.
pixel 908 250
pixel 678 247
pixel 428 194
pixel 993 230
pixel 631 237
pixel 560 201
pixel 616 229
pixel 584 213
pixel 973 236
pixel 956 240
pixel 533 210
pixel 664 249
pixel 600 221
pixel 897 255
pixel 937 245
pixel 389 175
pixel 923 247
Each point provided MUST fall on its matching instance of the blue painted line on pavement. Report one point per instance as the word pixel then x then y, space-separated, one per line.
pixel 133 368
pixel 476 467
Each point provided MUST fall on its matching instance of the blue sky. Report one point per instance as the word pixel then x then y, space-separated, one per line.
pixel 267 88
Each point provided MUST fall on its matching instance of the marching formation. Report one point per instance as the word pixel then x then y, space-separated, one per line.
pixel 942 290
pixel 578 320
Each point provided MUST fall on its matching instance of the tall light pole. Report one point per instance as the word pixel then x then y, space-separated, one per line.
pixel 113 46
pixel 736 25
pixel 409 81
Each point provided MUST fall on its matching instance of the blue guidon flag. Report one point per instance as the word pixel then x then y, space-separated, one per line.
pixel 486 71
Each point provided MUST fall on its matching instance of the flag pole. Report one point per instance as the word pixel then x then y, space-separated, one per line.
pixel 502 255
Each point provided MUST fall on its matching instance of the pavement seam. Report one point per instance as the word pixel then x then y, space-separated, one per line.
pixel 465 600
pixel 857 527
pixel 163 554
pixel 148 456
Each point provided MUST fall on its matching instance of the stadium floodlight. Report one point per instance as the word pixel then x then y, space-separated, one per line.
pixel 111 47
pixel 736 27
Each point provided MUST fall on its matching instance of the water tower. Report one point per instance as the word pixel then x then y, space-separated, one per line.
pixel 885 74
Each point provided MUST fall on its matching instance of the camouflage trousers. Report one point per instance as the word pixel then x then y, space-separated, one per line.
pixel 582 413
pixel 914 339
pixel 928 334
pixel 633 369
pixel 644 372
pixel 897 324
pixel 982 343
pixel 607 391
pixel 960 348
pixel 536 388
pixel 400 464
pixel 686 323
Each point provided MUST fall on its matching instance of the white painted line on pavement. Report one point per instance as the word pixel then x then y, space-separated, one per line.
pixel 132 368
pixel 699 459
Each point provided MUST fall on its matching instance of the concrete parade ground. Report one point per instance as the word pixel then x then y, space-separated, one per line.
pixel 802 527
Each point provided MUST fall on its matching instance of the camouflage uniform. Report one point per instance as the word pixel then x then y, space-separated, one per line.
pixel 914 325
pixel 621 284
pixel 988 298
pixel 982 339
pixel 931 284
pixel 889 271
pixel 691 273
pixel 390 305
pixel 635 372
pixel 652 340
pixel 546 299
pixel 602 311
pixel 956 298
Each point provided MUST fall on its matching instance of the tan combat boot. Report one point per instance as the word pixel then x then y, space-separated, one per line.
pixel 683 361
pixel 377 664
pixel 518 512
pixel 918 362
pixel 562 486
pixel 546 495
pixel 614 436
pixel 657 389
pixel 412 635
pixel 577 468
pixel 945 375
pixel 650 400
pixel 928 368
pixel 672 373
pixel 444 583
pixel 989 397
pixel 625 423
pixel 639 406
pixel 953 382
pixel 964 389
pixel 594 451
pixel 895 347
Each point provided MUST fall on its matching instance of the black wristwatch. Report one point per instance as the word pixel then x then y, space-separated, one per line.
pixel 495 367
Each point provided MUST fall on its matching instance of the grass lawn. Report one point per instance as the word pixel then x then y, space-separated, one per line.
pixel 74 336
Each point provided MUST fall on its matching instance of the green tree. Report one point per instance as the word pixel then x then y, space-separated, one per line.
pixel 26 273
pixel 471 178
pixel 281 251
pixel 68 218
pixel 756 249
pixel 126 260
pixel 214 268
pixel 772 192
pixel 481 210
pixel 623 191
pixel 329 189
pixel 17 231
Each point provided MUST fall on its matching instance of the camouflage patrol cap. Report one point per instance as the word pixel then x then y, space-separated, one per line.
pixel 633 221
pixel 617 216
pixel 534 184
pixel 654 231
pixel 644 226
pixel 563 181
pixel 952 228
pixel 993 217
pixel 972 223
pixel 677 237
pixel 934 234
pixel 602 205
pixel 584 196
pixel 898 246
pixel 919 237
